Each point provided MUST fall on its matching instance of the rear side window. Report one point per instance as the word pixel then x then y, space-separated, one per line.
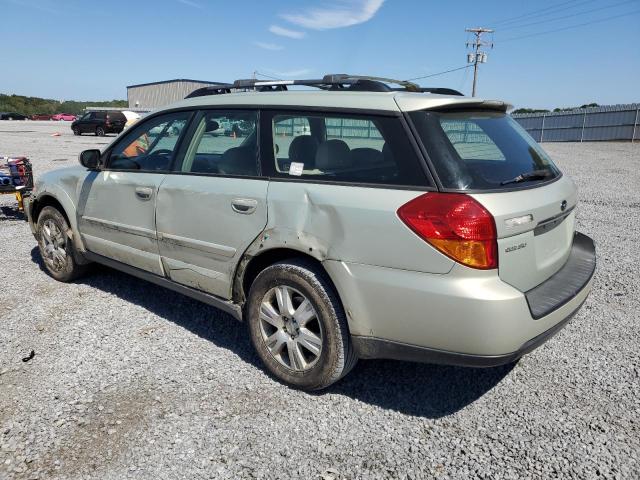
pixel 344 148
pixel 482 150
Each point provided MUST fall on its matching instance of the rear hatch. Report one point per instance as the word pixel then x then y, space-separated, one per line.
pixel 116 119
pixel 487 155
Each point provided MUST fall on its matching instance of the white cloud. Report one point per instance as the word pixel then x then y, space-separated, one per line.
pixel 268 46
pixel 285 32
pixel 190 3
pixel 340 13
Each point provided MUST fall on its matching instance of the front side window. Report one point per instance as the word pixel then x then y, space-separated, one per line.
pixel 224 143
pixel 355 149
pixel 482 150
pixel 151 145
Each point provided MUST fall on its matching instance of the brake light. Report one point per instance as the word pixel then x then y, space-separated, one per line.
pixel 457 225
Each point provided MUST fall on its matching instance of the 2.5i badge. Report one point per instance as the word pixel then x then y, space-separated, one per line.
pixel 513 248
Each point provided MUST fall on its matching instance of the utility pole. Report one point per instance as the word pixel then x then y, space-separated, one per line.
pixel 477 56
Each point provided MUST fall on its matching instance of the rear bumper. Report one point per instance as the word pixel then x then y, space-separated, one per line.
pixel 370 348
pixel 466 317
pixel 568 282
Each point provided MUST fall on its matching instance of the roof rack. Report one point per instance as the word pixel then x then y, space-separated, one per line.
pixel 340 81
pixel 216 89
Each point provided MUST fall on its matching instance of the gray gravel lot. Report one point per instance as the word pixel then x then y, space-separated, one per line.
pixel 132 381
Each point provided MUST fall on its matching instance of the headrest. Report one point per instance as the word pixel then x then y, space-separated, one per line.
pixel 332 154
pixel 387 154
pixel 211 126
pixel 363 157
pixel 303 150
pixel 238 161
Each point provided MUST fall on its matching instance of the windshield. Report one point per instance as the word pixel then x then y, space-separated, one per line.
pixel 482 150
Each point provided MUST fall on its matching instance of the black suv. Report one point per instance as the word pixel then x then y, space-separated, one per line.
pixel 99 123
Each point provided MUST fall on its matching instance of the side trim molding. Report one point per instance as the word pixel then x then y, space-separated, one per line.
pixel 217 302
pixel 121 227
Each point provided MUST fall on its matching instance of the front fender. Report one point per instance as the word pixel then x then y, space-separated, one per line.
pixel 59 194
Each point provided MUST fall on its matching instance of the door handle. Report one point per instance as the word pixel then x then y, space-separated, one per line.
pixel 244 205
pixel 144 193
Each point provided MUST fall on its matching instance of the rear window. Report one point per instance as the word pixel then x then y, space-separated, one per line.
pixel 343 148
pixel 482 150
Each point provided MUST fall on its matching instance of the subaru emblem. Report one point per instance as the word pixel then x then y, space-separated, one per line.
pixel 563 205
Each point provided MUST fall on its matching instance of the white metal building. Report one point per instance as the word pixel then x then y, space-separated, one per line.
pixel 149 96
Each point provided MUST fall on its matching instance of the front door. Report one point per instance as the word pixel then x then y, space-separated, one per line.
pixel 117 205
pixel 214 204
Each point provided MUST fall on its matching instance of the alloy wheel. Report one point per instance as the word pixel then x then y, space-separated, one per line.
pixel 290 328
pixel 55 253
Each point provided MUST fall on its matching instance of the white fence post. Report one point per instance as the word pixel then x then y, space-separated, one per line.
pixel 635 126
pixel 542 129
pixel 584 120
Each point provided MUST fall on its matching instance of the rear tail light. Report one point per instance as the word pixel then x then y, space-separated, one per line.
pixel 457 225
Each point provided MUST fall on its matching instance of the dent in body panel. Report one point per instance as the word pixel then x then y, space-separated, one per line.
pixel 348 223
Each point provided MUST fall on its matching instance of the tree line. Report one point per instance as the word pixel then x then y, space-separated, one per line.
pixel 560 109
pixel 31 105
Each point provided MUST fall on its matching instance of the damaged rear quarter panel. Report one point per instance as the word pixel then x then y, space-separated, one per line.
pixel 346 223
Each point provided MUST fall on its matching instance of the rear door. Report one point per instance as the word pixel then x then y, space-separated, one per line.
pixel 213 205
pixel 489 156
pixel 117 205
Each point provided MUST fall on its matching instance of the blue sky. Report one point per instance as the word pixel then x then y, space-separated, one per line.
pixel 76 49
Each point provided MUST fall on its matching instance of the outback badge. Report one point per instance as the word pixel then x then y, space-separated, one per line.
pixel 563 205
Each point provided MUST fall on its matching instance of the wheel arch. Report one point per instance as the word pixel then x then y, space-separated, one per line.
pixel 251 265
pixel 67 209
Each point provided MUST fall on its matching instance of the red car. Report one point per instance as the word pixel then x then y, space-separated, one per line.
pixel 67 117
pixel 41 116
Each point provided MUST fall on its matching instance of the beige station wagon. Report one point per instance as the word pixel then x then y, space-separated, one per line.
pixel 339 218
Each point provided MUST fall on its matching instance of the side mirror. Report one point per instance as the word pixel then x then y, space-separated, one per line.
pixel 90 159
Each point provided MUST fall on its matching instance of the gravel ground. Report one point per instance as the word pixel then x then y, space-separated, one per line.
pixel 132 381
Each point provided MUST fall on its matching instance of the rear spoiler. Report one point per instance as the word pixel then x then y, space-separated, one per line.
pixel 495 105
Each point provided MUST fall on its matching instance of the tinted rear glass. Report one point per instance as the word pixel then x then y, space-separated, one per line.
pixel 481 150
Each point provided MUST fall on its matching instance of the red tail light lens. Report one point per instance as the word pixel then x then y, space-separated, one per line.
pixel 457 225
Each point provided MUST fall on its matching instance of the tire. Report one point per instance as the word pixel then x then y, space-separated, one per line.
pixel 99 132
pixel 76 131
pixel 56 248
pixel 323 327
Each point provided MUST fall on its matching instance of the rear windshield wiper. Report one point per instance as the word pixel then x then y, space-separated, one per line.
pixel 525 177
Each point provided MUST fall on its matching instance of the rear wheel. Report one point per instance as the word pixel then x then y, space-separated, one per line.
pixel 56 247
pixel 99 131
pixel 298 326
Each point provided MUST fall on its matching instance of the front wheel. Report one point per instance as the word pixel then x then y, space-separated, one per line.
pixel 76 131
pixel 56 248
pixel 100 132
pixel 298 326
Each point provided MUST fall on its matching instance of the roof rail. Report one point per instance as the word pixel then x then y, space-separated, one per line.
pixel 336 81
pixel 437 91
pixel 217 89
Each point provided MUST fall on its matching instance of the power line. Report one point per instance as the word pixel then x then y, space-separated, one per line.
pixel 264 75
pixel 436 74
pixel 478 56
pixel 575 14
pixel 542 12
pixel 571 26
